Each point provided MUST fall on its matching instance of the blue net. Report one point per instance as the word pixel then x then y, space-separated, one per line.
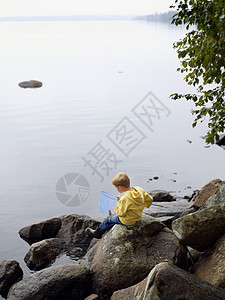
pixel 106 202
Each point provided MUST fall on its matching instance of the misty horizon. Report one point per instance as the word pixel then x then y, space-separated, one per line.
pixel 102 17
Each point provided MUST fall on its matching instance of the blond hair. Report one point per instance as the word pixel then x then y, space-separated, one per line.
pixel 121 179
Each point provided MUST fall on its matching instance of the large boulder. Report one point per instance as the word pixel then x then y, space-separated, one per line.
pixel 206 192
pixel 30 84
pixel 10 272
pixel 201 229
pixel 43 253
pixel 211 265
pixel 55 283
pixel 161 196
pixel 217 198
pixel 167 282
pixel 125 255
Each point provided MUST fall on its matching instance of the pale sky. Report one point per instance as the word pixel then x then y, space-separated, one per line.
pixel 81 7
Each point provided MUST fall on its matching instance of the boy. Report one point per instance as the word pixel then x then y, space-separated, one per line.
pixel 129 206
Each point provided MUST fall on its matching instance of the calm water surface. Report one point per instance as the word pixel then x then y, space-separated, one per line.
pixel 95 75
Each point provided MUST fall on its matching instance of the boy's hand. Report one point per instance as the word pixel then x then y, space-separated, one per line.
pixel 118 198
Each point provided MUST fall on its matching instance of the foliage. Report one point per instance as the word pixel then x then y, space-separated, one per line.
pixel 202 56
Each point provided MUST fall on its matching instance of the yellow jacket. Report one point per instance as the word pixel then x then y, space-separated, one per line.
pixel 130 206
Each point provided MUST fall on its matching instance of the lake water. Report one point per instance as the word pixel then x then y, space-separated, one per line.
pixel 102 83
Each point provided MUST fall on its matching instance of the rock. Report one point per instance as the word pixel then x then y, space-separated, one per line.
pixel 125 255
pixel 135 292
pixel 10 272
pixel 201 229
pixel 161 196
pixel 30 84
pixel 43 253
pixel 188 211
pixel 41 231
pixel 167 282
pixel 193 196
pixel 194 255
pixel 92 243
pixel 211 265
pixel 73 232
pixel 92 297
pixel 206 192
pixel 70 228
pixel 168 220
pixel 172 209
pixel 55 283
pixel 217 198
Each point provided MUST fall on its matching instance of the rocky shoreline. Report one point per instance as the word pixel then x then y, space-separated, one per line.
pixel 177 255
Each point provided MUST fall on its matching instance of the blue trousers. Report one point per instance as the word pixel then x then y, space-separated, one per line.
pixel 109 222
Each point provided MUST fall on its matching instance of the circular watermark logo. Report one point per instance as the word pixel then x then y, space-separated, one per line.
pixel 72 189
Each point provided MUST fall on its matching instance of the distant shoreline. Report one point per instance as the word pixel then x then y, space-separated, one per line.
pixel 65 18
pixel 164 17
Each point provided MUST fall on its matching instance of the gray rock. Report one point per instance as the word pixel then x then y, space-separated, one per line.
pixel 44 230
pixel 44 253
pixel 173 209
pixel 188 211
pixel 201 229
pixel 167 282
pixel 70 228
pixel 211 265
pixel 125 255
pixel 55 283
pixel 194 255
pixel 168 220
pixel 217 198
pixel 10 272
pixel 161 196
pixel 206 192
pixel 30 84
pixel 73 229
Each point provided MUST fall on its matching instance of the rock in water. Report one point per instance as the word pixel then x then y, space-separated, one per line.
pixel 10 272
pixel 55 283
pixel 201 229
pixel 125 255
pixel 161 196
pixel 32 84
pixel 41 231
pixel 166 282
pixel 43 253
pixel 70 228
pixel 211 265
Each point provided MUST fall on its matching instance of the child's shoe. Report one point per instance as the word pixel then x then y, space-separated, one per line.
pixel 97 233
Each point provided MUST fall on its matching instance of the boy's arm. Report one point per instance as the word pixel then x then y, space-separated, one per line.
pixel 121 208
pixel 148 200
